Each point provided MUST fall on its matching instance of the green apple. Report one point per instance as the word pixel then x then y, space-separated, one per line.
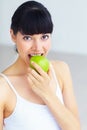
pixel 42 61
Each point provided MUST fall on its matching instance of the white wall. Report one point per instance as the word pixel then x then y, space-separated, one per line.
pixel 70 23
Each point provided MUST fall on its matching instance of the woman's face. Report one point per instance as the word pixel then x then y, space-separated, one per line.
pixel 30 45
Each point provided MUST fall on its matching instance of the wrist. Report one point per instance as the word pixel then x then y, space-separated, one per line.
pixel 50 99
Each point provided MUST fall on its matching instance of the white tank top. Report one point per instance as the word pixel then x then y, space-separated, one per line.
pixel 31 116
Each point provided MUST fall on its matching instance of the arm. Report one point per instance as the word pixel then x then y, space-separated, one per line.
pixel 2 103
pixel 1 113
pixel 1 116
pixel 66 115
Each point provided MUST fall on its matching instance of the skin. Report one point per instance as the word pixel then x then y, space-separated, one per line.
pixel 39 87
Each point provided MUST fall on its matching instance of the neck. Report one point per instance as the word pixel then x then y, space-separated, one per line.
pixel 21 66
pixel 18 68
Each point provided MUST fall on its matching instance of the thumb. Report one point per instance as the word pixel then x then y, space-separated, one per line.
pixel 50 71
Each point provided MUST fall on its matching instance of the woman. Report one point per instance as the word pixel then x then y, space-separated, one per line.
pixel 29 99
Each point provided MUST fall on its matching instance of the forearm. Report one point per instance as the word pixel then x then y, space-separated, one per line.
pixel 63 116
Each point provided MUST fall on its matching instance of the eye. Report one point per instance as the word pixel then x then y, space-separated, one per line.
pixel 45 37
pixel 27 38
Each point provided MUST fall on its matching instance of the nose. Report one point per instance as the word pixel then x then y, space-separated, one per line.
pixel 36 45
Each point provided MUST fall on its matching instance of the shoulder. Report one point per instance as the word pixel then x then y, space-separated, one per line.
pixel 3 92
pixel 62 71
pixel 61 67
pixel 2 87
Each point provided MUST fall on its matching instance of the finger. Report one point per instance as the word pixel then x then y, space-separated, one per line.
pixel 33 81
pixel 30 79
pixel 39 69
pixel 50 71
pixel 36 75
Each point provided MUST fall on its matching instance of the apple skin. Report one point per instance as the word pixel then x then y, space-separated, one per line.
pixel 42 61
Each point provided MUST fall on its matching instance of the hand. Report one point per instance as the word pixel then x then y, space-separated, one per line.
pixel 42 83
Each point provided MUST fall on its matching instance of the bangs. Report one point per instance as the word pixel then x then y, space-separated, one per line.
pixel 35 22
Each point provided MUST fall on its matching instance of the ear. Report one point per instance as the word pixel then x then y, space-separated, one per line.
pixel 13 36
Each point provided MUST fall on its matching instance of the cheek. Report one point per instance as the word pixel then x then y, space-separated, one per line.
pixel 48 46
pixel 22 47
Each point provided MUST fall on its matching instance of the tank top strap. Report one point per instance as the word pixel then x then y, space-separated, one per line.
pixel 9 83
pixel 58 90
pixel 54 75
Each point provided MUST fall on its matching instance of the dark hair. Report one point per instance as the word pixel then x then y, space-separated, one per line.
pixel 31 18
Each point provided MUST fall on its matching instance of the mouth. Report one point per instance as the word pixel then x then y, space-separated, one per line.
pixel 35 54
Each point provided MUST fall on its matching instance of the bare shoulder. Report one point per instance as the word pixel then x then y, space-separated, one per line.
pixel 2 88
pixel 62 71
pixel 61 66
pixel 2 99
pixel 3 92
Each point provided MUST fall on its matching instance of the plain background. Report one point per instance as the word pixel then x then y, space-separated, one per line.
pixel 69 41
